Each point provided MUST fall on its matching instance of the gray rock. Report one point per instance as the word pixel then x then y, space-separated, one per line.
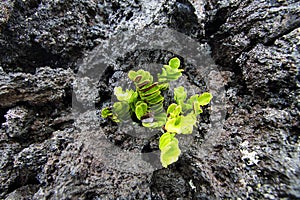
pixel 23 168
pixel 271 71
pixel 8 175
pixel 238 26
pixel 16 119
pixel 5 12
pixel 62 30
pixel 46 85
pixel 22 193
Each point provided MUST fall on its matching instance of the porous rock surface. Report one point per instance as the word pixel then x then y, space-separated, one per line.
pixel 254 154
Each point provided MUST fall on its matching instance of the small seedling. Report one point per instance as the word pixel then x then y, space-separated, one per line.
pixel 145 105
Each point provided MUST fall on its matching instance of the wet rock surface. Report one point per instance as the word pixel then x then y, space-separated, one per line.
pixel 46 85
pixel 49 151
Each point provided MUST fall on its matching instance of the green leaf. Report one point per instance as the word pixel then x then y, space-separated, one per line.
pixel 187 123
pixel 146 91
pixel 141 110
pixel 150 124
pixel 158 121
pixel 190 102
pixel 158 99
pixel 170 72
pixel 204 98
pixel 174 63
pixel 181 124
pixel 106 112
pixel 144 84
pixel 121 95
pixel 163 76
pixel 121 110
pixel 133 100
pixel 132 75
pixel 164 86
pixel 158 108
pixel 197 108
pixel 151 96
pixel 165 139
pixel 177 111
pixel 193 99
pixel 171 108
pixel 180 95
pixel 141 77
pixel 159 117
pixel 169 148
pixel 173 125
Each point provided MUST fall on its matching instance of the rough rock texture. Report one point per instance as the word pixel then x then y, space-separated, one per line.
pixel 253 154
pixel 56 33
pixel 259 42
pixel 237 26
pixel 46 85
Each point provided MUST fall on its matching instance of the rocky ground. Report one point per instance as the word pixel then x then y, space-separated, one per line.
pixel 48 152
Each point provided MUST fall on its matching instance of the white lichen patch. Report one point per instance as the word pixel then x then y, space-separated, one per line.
pixel 192 185
pixel 250 157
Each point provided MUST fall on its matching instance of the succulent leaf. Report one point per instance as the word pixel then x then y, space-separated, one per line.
pixel 140 77
pixel 164 86
pixel 121 110
pixel 180 95
pixel 141 110
pixel 187 123
pixel 106 112
pixel 177 111
pixel 159 116
pixel 204 98
pixel 123 95
pixel 170 151
pixel 132 75
pixel 171 108
pixel 150 90
pixel 197 108
pixel 173 125
pixel 170 72
pixel 174 63
pixel 158 121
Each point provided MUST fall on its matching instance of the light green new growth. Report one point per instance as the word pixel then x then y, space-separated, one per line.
pixel 169 148
pixel 146 105
pixel 170 72
pixel 140 109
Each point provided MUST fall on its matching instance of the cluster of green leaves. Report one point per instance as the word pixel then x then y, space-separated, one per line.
pixel 182 115
pixel 181 119
pixel 149 106
pixel 170 72
pixel 146 105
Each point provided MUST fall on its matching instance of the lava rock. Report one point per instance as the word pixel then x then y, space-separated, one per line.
pixel 246 145
pixel 46 85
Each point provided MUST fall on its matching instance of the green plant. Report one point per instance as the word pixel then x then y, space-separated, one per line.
pixel 145 105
